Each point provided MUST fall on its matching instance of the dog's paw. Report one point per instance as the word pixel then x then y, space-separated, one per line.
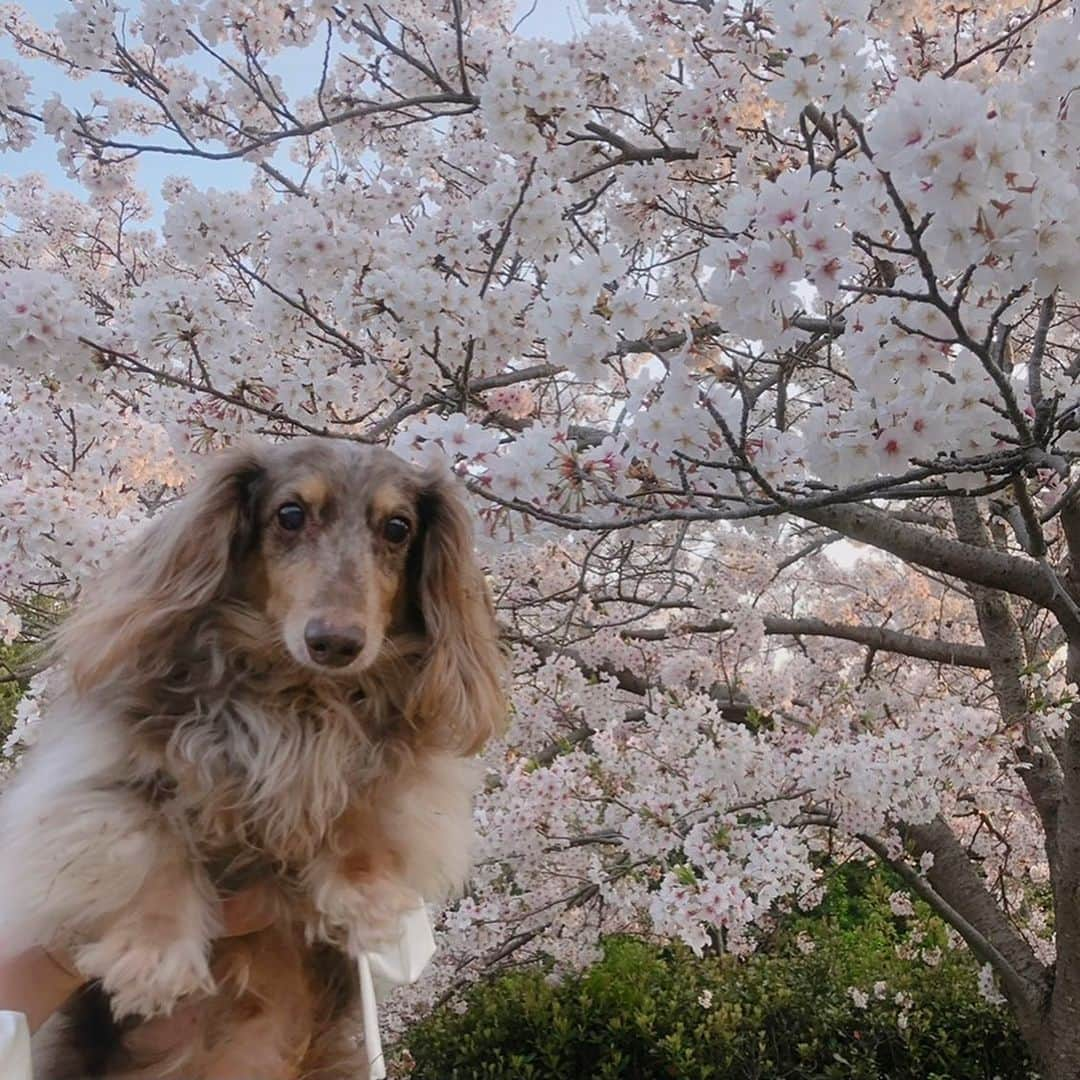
pixel 362 917
pixel 144 978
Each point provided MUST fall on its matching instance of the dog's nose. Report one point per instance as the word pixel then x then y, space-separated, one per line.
pixel 333 646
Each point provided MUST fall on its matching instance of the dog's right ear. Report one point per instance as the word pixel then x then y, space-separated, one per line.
pixel 129 618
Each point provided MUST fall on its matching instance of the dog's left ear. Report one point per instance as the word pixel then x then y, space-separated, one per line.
pixel 460 687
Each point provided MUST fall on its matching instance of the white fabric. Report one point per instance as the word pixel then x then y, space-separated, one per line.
pixel 397 964
pixel 14 1047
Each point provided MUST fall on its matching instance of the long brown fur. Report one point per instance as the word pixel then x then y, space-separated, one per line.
pixel 200 745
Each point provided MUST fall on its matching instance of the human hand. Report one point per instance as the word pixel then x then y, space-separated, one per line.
pixel 38 981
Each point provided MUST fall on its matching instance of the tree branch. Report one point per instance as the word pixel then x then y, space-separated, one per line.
pixel 1005 649
pixel 1029 578
pixel 876 637
pixel 259 141
pixel 960 897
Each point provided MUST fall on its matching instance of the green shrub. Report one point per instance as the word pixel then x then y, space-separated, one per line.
pixel 12 686
pixel 646 1012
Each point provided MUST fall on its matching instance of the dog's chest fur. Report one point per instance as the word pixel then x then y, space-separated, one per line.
pixel 265 777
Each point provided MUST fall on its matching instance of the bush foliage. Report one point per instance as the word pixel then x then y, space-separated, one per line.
pixel 790 1011
pixel 11 686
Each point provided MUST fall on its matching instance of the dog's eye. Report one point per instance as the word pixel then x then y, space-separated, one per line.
pixel 396 529
pixel 291 517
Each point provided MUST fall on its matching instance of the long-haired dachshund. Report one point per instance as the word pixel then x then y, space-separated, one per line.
pixel 284 678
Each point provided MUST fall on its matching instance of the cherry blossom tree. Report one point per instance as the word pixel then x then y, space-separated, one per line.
pixel 752 327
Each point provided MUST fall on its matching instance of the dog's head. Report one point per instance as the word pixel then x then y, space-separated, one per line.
pixel 336 549
pixel 339 549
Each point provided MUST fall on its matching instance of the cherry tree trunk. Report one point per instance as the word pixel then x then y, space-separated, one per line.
pixel 1059 1049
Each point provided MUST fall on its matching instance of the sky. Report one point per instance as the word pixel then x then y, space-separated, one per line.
pixel 548 18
